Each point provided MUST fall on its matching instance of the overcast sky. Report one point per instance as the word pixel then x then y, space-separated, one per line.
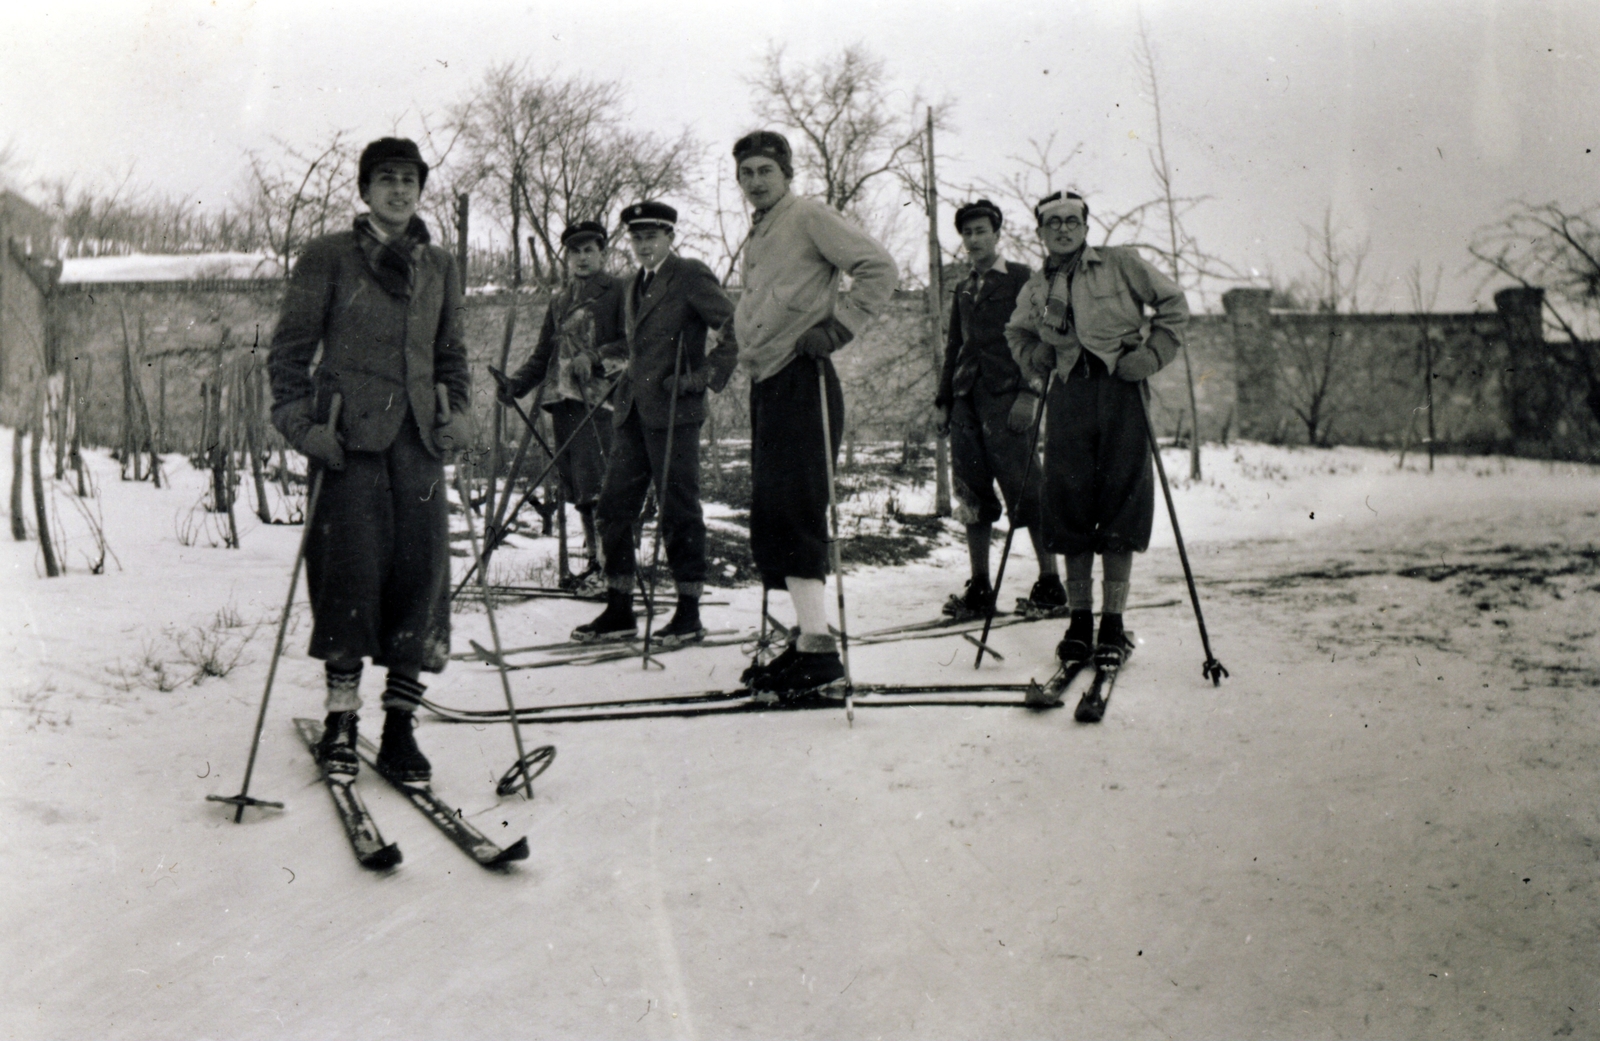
pixel 1417 121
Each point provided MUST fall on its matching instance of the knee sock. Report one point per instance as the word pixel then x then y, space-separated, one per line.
pixel 402 693
pixel 978 538
pixel 344 687
pixel 1080 582
pixel 810 598
pixel 1047 560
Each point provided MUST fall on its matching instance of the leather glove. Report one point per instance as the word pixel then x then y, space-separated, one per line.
pixel 507 389
pixel 454 434
pixel 689 382
pixel 941 420
pixel 321 442
pixel 823 339
pixel 1040 361
pixel 1020 419
pixel 1138 364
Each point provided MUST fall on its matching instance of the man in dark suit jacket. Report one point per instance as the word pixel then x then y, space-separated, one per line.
pixel 987 407
pixel 385 307
pixel 671 304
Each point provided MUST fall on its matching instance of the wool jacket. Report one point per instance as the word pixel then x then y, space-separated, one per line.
pixel 685 301
pixel 976 354
pixel 381 350
pixel 793 261
pixel 1110 291
pixel 584 318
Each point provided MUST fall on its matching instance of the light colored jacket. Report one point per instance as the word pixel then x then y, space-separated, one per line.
pixel 1110 292
pixel 792 263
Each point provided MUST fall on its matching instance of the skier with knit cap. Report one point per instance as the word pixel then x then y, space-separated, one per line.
pixel 1078 334
pixel 790 319
pixel 378 310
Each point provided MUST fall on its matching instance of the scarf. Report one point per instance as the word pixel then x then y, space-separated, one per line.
pixel 393 262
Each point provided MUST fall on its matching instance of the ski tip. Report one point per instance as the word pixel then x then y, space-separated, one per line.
pixel 383 859
pixel 518 850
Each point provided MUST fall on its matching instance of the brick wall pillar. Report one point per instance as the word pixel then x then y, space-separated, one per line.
pixel 1533 399
pixel 1255 362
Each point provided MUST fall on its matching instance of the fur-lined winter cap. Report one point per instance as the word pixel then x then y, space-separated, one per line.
pixel 1061 204
pixel 767 143
pixel 390 150
pixel 979 208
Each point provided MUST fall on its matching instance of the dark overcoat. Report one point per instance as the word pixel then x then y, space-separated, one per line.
pixel 380 352
pixel 685 299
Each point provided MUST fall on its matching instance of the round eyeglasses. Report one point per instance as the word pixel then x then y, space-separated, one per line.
pixel 1059 223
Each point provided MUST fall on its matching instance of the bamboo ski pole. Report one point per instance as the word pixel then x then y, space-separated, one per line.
pixel 661 504
pixel 1213 669
pixel 488 602
pixel 833 545
pixel 1005 552
pixel 243 799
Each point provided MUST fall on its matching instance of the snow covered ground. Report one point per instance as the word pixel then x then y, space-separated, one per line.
pixel 1382 825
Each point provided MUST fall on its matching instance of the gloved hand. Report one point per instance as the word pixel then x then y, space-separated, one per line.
pixel 941 420
pixel 689 382
pixel 507 389
pixel 1020 419
pixel 583 365
pixel 1138 364
pixel 321 442
pixel 453 434
pixel 1039 361
pixel 823 339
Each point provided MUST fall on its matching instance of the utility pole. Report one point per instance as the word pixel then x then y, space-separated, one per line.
pixel 930 198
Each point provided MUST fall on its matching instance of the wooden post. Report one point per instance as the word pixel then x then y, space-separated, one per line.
pixel 462 202
pixel 1427 361
pixel 19 524
pixel 930 189
pixel 46 547
pixel 161 395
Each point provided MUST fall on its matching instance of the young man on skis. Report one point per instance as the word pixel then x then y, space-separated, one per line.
pixel 1077 330
pixel 584 318
pixel 669 307
pixel 988 408
pixel 384 306
pixel 791 318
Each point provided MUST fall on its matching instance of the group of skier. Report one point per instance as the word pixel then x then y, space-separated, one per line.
pixel 370 381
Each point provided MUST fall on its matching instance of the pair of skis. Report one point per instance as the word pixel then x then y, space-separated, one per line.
pixel 742 699
pixel 365 839
pixel 1096 697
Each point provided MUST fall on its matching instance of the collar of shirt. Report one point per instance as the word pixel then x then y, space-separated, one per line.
pixel 998 265
pixel 653 270
pixel 763 218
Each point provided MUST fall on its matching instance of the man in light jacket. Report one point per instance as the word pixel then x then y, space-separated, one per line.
pixel 791 318
pixel 1077 329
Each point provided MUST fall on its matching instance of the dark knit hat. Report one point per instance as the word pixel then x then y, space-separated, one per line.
pixel 1055 198
pixel 390 149
pixel 643 214
pixel 979 208
pixel 584 229
pixel 769 143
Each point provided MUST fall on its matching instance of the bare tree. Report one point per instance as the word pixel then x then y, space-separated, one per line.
pixel 1557 249
pixel 852 125
pixel 1319 355
pixel 297 194
pixel 1423 299
pixel 549 151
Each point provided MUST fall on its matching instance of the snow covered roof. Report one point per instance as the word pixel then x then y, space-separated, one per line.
pixel 171 267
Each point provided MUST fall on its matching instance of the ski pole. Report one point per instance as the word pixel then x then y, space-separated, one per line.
pixel 243 799
pixel 833 545
pixel 483 586
pixel 532 487
pixel 1005 552
pixel 1213 669
pixel 661 513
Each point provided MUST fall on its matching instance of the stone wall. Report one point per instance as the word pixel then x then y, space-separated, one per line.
pixel 1497 384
